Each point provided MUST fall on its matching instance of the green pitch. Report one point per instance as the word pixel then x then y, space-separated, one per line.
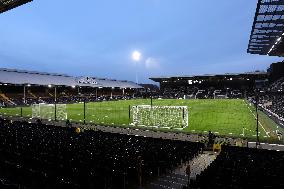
pixel 223 116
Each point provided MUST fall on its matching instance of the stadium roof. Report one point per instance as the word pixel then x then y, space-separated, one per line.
pixel 21 77
pixel 246 74
pixel 6 5
pixel 268 29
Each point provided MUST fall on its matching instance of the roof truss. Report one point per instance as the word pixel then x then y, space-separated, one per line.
pixel 6 5
pixel 267 35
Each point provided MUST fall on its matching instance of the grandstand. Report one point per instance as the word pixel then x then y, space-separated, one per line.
pixel 55 157
pixel 272 101
pixel 243 168
pixel 20 87
pixel 210 85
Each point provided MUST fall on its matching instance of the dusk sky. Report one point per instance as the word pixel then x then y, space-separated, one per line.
pixel 97 38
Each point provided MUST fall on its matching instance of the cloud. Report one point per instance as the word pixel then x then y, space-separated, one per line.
pixel 152 63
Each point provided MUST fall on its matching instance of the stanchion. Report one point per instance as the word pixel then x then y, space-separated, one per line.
pixel 55 116
pixel 129 113
pixel 85 111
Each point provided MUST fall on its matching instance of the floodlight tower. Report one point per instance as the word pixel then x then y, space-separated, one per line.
pixel 136 56
pixel 257 114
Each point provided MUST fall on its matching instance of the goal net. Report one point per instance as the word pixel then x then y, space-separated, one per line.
pixel 47 111
pixel 160 116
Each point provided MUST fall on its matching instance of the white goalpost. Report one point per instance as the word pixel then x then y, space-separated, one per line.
pixel 160 116
pixel 47 111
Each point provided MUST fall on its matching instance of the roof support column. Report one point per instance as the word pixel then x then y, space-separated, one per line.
pixel 24 100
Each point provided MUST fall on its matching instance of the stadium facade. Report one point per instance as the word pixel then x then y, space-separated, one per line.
pixel 19 87
pixel 242 82
pixel 239 82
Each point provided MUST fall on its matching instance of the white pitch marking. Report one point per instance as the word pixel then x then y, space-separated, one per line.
pixel 259 122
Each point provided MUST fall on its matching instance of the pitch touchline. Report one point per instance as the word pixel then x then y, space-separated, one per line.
pixel 258 121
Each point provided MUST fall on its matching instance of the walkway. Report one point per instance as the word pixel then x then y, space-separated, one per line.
pixel 177 179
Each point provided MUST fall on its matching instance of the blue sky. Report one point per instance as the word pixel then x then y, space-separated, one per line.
pixel 96 38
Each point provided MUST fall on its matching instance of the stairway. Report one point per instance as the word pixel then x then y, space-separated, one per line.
pixel 177 179
pixel 6 99
pixel 170 181
pixel 33 95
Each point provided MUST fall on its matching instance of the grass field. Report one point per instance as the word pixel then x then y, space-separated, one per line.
pixel 223 116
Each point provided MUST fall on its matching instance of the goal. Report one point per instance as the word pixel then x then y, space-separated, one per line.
pixel 47 111
pixel 160 116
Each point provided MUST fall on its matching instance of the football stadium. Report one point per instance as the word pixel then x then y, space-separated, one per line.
pixel 80 130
